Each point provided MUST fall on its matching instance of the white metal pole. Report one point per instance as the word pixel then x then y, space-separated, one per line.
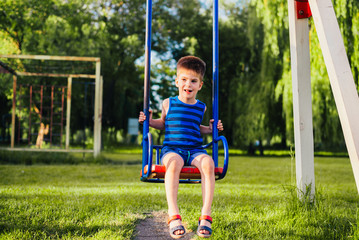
pixel 340 75
pixel 302 100
pixel 98 117
pixel 100 110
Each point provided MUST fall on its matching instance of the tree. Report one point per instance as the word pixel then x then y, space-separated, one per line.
pixel 272 14
pixel 22 18
pixel 262 117
pixel 254 69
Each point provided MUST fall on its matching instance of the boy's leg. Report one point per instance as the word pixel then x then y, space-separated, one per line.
pixel 205 164
pixel 173 163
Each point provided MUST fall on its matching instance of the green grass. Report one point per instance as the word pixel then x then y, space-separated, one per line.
pixel 105 200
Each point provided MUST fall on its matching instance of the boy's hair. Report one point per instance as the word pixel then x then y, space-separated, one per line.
pixel 192 63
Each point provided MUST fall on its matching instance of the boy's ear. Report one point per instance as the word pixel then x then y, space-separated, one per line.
pixel 176 82
pixel 200 85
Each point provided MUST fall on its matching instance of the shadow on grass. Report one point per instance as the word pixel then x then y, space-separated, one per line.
pixel 25 158
pixel 63 216
pixel 42 231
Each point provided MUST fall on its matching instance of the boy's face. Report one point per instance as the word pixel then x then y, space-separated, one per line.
pixel 188 83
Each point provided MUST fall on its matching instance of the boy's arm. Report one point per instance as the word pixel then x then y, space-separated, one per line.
pixel 156 123
pixel 208 129
pixel 205 129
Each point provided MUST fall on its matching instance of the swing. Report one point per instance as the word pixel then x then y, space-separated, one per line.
pixel 189 174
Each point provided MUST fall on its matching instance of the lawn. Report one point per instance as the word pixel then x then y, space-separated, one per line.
pixel 105 200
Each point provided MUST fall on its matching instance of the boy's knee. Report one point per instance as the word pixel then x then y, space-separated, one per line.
pixel 174 164
pixel 208 166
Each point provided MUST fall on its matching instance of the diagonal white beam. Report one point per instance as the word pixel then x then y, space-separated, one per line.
pixel 340 75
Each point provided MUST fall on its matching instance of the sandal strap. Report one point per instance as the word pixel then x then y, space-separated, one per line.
pixel 176 228
pixel 205 217
pixel 206 229
pixel 174 217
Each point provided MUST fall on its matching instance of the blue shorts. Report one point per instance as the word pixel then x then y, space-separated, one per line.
pixel 187 155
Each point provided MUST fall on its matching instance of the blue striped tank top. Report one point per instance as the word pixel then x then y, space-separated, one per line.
pixel 182 124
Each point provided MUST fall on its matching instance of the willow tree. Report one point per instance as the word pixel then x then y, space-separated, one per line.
pixel 268 40
pixel 273 15
pixel 327 129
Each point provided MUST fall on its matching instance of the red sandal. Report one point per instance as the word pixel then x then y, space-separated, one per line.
pixel 176 228
pixel 209 219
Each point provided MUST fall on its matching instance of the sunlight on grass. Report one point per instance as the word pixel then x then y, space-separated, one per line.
pixel 256 200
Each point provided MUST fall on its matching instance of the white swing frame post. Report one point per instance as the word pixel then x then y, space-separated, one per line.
pixel 302 100
pixel 341 80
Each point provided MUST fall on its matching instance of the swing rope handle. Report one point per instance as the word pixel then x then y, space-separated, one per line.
pixel 150 155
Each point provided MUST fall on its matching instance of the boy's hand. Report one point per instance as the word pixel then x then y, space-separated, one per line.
pixel 142 117
pixel 219 125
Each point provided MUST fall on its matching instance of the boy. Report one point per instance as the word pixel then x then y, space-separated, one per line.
pixel 181 119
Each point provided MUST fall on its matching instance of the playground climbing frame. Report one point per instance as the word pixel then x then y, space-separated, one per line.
pixel 70 76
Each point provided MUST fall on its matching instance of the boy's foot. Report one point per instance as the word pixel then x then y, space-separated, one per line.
pixel 204 226
pixel 176 228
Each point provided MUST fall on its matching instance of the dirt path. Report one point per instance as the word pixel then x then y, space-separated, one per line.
pixel 154 227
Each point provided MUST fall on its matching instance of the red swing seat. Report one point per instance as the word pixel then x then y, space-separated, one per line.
pixel 189 174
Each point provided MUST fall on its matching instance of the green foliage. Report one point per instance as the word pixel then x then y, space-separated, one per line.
pixel 254 69
pixel 327 128
pixel 276 73
pixel 23 20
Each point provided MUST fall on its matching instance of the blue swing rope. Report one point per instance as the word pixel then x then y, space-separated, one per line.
pixel 147 146
pixel 215 82
pixel 146 103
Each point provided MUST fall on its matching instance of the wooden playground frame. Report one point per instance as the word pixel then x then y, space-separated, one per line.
pixel 97 105
pixel 341 80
